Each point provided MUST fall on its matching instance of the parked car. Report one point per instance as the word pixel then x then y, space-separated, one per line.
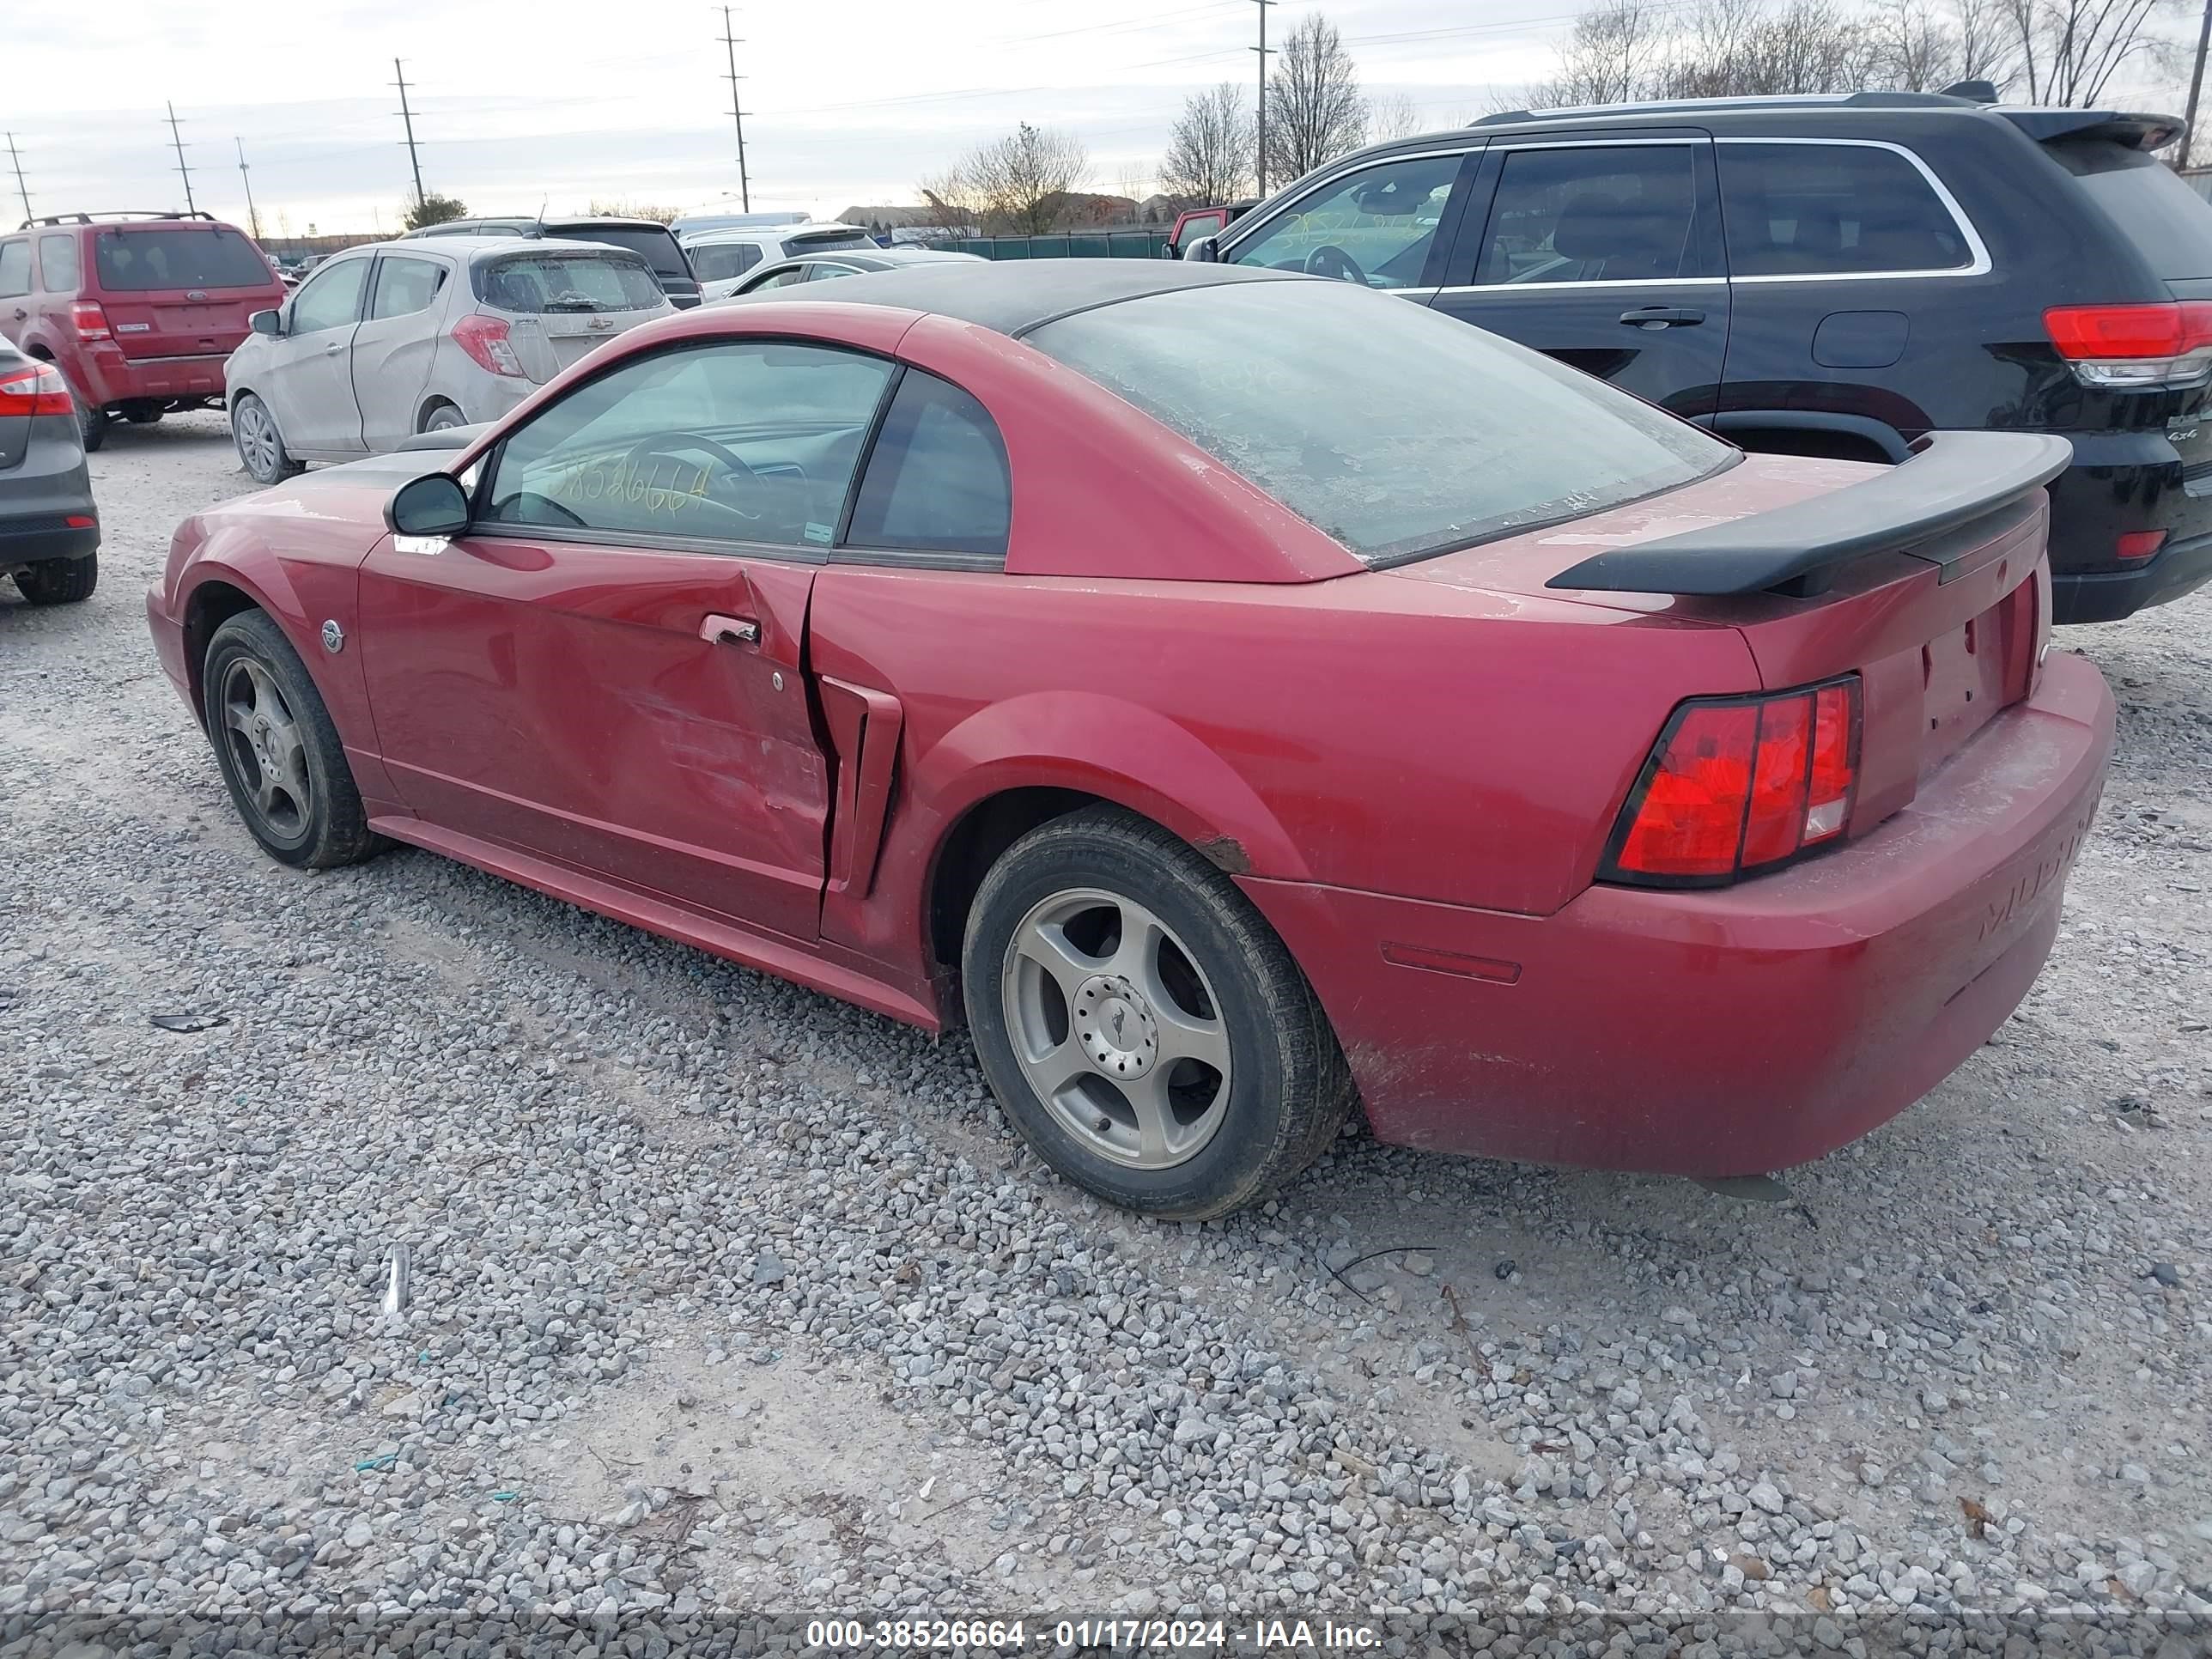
pixel 1405 715
pixel 49 527
pixel 721 256
pixel 1829 275
pixel 647 237
pixel 396 338
pixel 138 310
pixel 1194 222
pixel 817 268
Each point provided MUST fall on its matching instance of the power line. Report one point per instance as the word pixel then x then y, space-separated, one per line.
pixel 22 189
pixel 737 111
pixel 183 172
pixel 407 119
pixel 253 214
pixel 1265 52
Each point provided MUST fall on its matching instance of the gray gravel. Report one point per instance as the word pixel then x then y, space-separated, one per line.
pixel 722 1294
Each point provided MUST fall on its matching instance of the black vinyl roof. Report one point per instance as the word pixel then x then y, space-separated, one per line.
pixel 1016 297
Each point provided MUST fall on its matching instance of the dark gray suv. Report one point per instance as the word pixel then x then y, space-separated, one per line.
pixel 49 530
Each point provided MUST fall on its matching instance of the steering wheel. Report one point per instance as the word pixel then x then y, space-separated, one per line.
pixel 1330 260
pixel 673 444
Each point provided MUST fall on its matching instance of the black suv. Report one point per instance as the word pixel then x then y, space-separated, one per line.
pixel 1829 275
pixel 648 237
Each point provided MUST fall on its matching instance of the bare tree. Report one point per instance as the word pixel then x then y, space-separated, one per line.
pixel 1616 52
pixel 1021 181
pixel 1210 153
pixel 2069 49
pixel 1315 112
pixel 1748 48
pixel 1394 116
pixel 953 201
pixel 1918 45
pixel 623 208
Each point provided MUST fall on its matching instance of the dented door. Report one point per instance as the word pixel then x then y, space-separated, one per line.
pixel 635 712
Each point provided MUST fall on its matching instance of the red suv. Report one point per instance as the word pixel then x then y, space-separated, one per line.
pixel 137 310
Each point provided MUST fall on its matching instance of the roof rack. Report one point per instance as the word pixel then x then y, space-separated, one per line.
pixel 1778 100
pixel 124 215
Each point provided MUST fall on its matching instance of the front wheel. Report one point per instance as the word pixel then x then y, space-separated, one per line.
pixel 260 445
pixel 1147 1033
pixel 60 581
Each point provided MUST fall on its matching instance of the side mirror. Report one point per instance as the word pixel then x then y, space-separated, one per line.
pixel 433 505
pixel 1207 250
pixel 266 322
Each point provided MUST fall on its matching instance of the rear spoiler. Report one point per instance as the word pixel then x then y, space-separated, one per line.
pixel 2136 130
pixel 1951 478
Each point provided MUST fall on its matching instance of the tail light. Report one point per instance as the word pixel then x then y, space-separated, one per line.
pixel 1739 784
pixel 485 339
pixel 2165 344
pixel 2138 544
pixel 89 321
pixel 37 390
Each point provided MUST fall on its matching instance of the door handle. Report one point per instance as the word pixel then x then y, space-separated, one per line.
pixel 1662 317
pixel 332 348
pixel 730 630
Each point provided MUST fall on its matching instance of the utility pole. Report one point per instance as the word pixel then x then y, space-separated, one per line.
pixel 407 117
pixel 2196 86
pixel 252 214
pixel 1264 52
pixel 730 44
pixel 22 189
pixel 183 172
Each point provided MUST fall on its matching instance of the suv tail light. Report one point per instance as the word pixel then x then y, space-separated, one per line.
pixel 485 339
pixel 2165 344
pixel 1737 784
pixel 89 321
pixel 37 390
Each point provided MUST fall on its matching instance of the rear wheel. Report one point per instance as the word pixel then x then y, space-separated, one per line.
pixel 278 750
pixel 91 426
pixel 443 418
pixel 1146 1032
pixel 260 445
pixel 59 581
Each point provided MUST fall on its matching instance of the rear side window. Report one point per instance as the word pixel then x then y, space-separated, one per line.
pixel 404 286
pixel 1807 209
pixel 534 284
pixel 657 247
pixel 2169 224
pixel 15 267
pixel 58 265
pixel 139 261
pixel 936 479
pixel 1611 213
pixel 719 261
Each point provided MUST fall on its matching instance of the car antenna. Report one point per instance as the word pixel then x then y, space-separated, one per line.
pixel 541 217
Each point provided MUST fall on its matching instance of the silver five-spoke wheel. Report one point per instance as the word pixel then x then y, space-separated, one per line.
pixel 1116 1028
pixel 268 747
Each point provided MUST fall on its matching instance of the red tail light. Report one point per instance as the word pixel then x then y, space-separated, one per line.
pixel 89 321
pixel 1739 784
pixel 37 390
pixel 485 339
pixel 2138 544
pixel 2166 344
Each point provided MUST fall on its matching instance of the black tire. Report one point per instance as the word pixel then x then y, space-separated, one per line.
pixel 443 416
pixel 269 463
pixel 332 828
pixel 59 581
pixel 142 414
pixel 1292 1089
pixel 91 426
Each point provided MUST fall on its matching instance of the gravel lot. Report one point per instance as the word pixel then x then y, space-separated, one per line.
pixel 724 1294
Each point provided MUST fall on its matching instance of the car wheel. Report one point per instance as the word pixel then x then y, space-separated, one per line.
pixel 443 419
pixel 260 445
pixel 91 426
pixel 142 414
pixel 1148 1035
pixel 277 749
pixel 59 581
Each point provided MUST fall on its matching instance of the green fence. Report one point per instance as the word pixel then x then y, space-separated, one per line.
pixel 1145 243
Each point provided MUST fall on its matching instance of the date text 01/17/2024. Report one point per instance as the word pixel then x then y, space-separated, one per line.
pixel 1191 1636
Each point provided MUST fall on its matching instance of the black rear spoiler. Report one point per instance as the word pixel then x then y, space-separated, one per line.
pixel 1951 478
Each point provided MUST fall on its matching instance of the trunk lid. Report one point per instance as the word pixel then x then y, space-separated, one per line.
pixel 179 290
pixel 561 304
pixel 1945 626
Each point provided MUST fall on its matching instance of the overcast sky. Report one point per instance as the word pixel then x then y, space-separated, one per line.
pixel 847 100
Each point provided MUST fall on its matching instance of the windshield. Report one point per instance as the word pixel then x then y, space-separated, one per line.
pixel 658 246
pixel 2169 224
pixel 822 241
pixel 1399 432
pixel 529 284
pixel 135 261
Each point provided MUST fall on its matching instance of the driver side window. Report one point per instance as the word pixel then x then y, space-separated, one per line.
pixel 751 442
pixel 1376 225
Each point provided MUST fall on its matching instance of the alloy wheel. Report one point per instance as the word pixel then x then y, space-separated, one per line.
pixel 268 748
pixel 257 437
pixel 1116 1029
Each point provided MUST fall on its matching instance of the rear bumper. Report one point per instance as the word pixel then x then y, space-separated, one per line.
pixel 2122 483
pixel 36 541
pixel 1729 1032
pixel 100 374
pixel 2178 568
pixel 41 493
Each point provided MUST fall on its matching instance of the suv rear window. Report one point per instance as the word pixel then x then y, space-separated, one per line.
pixel 531 283
pixel 138 261
pixel 1796 210
pixel 2169 224
pixel 1354 410
pixel 658 246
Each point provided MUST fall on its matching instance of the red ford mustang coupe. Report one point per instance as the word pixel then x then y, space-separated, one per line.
pixel 1238 694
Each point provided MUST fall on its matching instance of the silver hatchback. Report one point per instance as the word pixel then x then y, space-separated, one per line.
pixel 388 341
